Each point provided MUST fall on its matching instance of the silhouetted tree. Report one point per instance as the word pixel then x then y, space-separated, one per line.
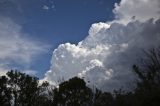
pixel 147 92
pixel 24 88
pixel 5 92
pixel 102 98
pixel 123 98
pixel 73 93
pixel 46 95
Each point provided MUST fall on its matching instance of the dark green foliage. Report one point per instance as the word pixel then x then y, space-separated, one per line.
pixel 23 87
pixel 123 98
pixel 73 93
pixel 103 98
pixel 5 92
pixel 23 90
pixel 149 71
pixel 45 97
pixel 147 92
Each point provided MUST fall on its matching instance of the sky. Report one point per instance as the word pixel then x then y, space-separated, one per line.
pixel 51 22
pixel 98 40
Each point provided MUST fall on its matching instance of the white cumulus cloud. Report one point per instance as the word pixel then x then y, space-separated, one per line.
pixel 105 57
pixel 141 10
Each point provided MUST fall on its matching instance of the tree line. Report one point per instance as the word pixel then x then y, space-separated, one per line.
pixel 20 89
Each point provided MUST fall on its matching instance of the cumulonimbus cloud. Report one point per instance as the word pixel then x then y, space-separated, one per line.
pixel 105 57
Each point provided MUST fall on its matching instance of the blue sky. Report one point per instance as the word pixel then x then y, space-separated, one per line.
pixel 54 22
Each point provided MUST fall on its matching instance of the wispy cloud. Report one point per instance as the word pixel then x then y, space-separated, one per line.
pixel 15 47
pixel 50 5
pixel 45 7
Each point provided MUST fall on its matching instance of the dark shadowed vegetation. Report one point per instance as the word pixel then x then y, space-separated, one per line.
pixel 19 89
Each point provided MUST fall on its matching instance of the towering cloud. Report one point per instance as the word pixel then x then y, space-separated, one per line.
pixel 106 56
pixel 141 10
